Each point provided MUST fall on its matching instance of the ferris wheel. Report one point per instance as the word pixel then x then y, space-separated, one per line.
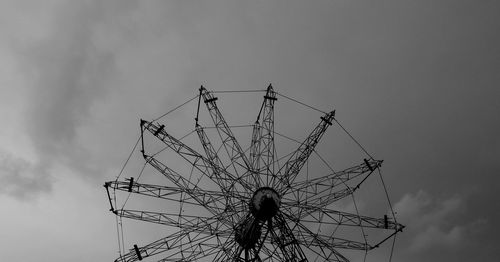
pixel 217 198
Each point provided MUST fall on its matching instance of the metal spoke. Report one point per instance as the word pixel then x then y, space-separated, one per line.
pixel 201 163
pixel 190 195
pixel 205 225
pixel 212 203
pixel 227 186
pixel 169 246
pixel 255 145
pixel 262 145
pixel 322 191
pixel 289 171
pixel 237 158
pixel 327 216
pixel 308 238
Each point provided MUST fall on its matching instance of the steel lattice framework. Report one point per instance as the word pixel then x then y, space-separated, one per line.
pixel 254 208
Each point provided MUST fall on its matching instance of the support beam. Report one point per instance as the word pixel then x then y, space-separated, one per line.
pixel 213 204
pixel 191 223
pixel 194 246
pixel 255 148
pixel 202 164
pixel 292 167
pixel 262 146
pixel 325 216
pixel 237 157
pixel 189 195
pixel 327 244
pixel 324 190
pixel 214 160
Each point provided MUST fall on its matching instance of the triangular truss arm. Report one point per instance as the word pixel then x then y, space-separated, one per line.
pixel 203 165
pixel 308 239
pixel 325 246
pixel 217 165
pixel 212 203
pixel 193 223
pixel 290 170
pixel 194 246
pixel 262 145
pixel 189 195
pixel 255 151
pixel 198 252
pixel 321 192
pixel 237 158
pixel 325 216
pixel 199 162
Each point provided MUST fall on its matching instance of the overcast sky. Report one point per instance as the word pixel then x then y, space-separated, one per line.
pixel 417 82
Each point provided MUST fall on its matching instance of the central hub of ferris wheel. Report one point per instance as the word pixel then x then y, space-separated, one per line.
pixel 263 206
pixel 264 203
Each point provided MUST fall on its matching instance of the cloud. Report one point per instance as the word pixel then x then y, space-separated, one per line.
pixel 22 179
pixel 68 68
pixel 430 221
pixel 70 71
pixel 60 52
pixel 434 236
pixel 90 69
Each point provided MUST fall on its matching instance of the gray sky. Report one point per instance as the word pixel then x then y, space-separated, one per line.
pixel 417 82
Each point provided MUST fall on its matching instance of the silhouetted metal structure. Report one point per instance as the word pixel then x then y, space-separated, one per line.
pixel 256 209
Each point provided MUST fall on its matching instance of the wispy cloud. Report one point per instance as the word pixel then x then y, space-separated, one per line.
pixel 430 220
pixel 435 236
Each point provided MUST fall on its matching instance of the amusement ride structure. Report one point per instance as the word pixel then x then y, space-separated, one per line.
pixel 223 201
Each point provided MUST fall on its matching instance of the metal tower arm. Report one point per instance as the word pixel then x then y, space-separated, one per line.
pixel 292 167
pixel 255 146
pixel 199 162
pixel 314 214
pixel 262 145
pixel 193 246
pixel 320 191
pixel 235 153
pixel 214 204
pixel 326 245
pixel 227 185
pixel 193 223
pixel 329 242
pixel 189 195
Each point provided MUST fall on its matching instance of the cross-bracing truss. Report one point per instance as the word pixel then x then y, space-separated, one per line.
pixel 240 204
